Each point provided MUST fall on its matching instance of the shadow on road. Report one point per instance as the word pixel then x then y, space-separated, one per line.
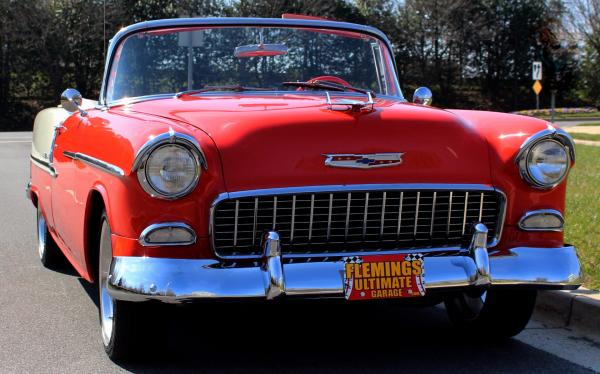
pixel 316 338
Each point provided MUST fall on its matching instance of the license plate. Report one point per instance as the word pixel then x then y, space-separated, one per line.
pixel 384 276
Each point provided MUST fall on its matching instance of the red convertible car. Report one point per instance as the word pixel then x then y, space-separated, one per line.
pixel 270 159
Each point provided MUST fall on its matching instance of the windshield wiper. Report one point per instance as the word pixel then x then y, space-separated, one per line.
pixel 234 88
pixel 329 86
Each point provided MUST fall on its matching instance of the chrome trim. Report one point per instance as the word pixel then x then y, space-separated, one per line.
pixel 357 188
pixel 186 280
pixel 169 137
pixel 382 218
pixel 97 163
pixel 365 215
pixel 157 226
pixel 255 220
pixel 416 224
pixel 71 101
pixel 347 104
pixel 550 133
pixel 400 213
pixel 293 223
pixel 235 222
pixel 552 212
pixel 312 211
pixel 479 252
pixel 394 158
pixel 465 212
pixel 348 205
pixel 423 96
pixel 44 166
pixel 233 22
pixel 449 214
pixel 433 213
pixel 329 216
pixel 273 266
pixel 274 212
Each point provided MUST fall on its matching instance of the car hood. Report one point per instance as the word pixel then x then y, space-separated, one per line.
pixel 280 141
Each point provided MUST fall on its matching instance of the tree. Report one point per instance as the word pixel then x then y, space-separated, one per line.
pixel 585 22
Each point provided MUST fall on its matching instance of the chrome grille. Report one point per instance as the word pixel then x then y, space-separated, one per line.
pixel 317 223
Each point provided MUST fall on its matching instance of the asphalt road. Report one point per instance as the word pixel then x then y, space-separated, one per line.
pixel 48 323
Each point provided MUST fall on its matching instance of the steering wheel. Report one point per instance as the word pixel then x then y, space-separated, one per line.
pixel 325 79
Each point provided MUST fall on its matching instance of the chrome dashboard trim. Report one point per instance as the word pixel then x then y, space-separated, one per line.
pixel 356 188
pixel 97 163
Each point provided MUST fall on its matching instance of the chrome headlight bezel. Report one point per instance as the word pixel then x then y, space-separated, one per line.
pixel 558 136
pixel 169 138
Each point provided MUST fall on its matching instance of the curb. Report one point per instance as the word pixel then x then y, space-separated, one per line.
pixel 572 119
pixel 578 310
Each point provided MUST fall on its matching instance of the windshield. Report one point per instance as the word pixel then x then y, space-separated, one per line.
pixel 168 61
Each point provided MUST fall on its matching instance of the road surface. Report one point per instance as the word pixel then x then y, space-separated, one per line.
pixel 48 323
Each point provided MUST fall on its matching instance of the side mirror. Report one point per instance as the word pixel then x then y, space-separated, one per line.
pixel 71 100
pixel 422 96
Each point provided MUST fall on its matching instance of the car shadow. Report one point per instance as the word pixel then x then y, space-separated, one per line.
pixel 315 338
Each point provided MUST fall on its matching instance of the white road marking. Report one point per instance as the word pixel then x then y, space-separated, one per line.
pixel 14 141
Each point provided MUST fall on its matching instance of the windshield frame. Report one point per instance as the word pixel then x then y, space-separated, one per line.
pixel 124 33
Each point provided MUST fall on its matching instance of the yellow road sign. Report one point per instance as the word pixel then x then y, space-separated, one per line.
pixel 537 87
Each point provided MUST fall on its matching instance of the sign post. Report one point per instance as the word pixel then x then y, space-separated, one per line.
pixel 536 75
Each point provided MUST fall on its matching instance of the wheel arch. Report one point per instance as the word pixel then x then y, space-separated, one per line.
pixel 97 202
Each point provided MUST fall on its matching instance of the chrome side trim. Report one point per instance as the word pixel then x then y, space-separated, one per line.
pixel 97 163
pixel 550 133
pixel 157 226
pixel 44 166
pixel 552 212
pixel 357 188
pixel 186 280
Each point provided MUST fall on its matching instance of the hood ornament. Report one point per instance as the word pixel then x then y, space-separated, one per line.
pixel 363 161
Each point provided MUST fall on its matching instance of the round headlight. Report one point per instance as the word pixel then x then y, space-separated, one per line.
pixel 171 171
pixel 547 163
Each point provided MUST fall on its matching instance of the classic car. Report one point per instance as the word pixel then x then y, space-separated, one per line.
pixel 276 159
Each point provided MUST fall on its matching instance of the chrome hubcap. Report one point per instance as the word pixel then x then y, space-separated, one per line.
pixel 106 301
pixel 41 231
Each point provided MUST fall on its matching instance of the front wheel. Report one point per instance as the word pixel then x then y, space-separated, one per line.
pixel 119 320
pixel 497 313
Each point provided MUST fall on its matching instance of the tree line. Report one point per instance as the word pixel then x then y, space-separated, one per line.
pixel 471 53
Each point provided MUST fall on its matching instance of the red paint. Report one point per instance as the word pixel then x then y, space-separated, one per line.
pixel 266 141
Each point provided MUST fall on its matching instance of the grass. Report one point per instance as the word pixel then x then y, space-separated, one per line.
pixel 583 136
pixel 583 212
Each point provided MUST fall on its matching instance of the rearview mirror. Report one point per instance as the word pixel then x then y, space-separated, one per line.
pixel 260 50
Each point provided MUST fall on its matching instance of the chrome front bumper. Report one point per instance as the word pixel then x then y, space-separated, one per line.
pixel 179 280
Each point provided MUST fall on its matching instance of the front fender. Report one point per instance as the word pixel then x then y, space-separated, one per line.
pixel 505 133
